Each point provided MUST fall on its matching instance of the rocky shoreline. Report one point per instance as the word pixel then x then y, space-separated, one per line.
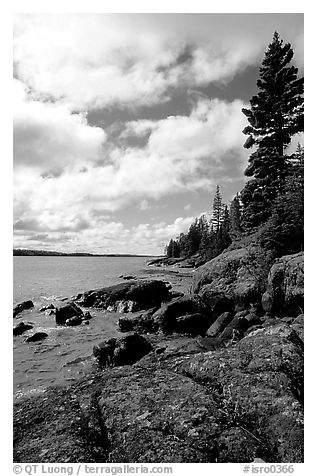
pixel 210 369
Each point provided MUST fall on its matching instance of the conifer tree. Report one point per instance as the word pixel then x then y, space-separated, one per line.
pixel 235 229
pixel 217 210
pixel 275 115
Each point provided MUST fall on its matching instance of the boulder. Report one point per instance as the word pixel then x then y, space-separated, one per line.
pixel 36 337
pixel 142 323
pixel 22 306
pixel 216 302
pixel 67 311
pixel 285 288
pixel 238 274
pixel 144 294
pixel 21 328
pixel 131 348
pixel 219 325
pixel 171 317
pixel 123 351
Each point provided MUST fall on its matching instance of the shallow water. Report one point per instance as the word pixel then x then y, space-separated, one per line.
pixel 66 353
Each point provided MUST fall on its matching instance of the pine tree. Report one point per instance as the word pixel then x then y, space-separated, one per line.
pixel 235 229
pixel 217 210
pixel 276 114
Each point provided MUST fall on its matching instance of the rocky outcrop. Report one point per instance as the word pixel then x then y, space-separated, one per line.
pixel 66 312
pixel 22 306
pixel 129 296
pixel 185 314
pixel 38 336
pixel 232 280
pixel 124 351
pixel 236 404
pixel 21 328
pixel 285 288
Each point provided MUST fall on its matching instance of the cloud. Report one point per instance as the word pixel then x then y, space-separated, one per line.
pixel 182 153
pixel 111 237
pixel 49 137
pixel 94 61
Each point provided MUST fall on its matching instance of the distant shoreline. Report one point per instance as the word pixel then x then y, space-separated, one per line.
pixel 21 252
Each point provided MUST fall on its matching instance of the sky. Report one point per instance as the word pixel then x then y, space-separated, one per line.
pixel 124 124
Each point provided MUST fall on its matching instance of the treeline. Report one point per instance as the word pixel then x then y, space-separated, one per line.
pixel 270 208
pixel 209 236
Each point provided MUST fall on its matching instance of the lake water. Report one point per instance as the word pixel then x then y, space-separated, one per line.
pixel 67 351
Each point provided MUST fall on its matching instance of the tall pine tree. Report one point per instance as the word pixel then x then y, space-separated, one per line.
pixel 276 114
pixel 217 210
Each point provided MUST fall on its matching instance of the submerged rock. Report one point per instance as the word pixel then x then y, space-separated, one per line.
pixel 37 337
pixel 22 306
pixel 21 328
pixel 67 311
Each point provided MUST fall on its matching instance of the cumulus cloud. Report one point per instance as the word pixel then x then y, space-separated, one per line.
pixel 92 61
pixel 110 237
pixel 49 137
pixel 182 153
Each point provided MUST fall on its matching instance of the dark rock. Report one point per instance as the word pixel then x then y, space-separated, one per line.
pixel 176 294
pixel 256 381
pixel 22 306
pixel 21 328
pixel 36 337
pixel 142 323
pixel 285 288
pixel 219 325
pixel 67 311
pixel 171 316
pixel 46 308
pixel 87 316
pixel 74 321
pixel 298 326
pixel 249 320
pixel 127 324
pixel 236 404
pixel 86 322
pixel 144 293
pixel 104 352
pixel 217 302
pixel 239 274
pixel 131 348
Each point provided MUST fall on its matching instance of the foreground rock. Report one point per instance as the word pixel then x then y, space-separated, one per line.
pixel 21 328
pixel 285 288
pixel 176 404
pixel 234 280
pixel 22 306
pixel 66 312
pixel 124 351
pixel 128 296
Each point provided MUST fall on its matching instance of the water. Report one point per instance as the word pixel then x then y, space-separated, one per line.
pixel 66 353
